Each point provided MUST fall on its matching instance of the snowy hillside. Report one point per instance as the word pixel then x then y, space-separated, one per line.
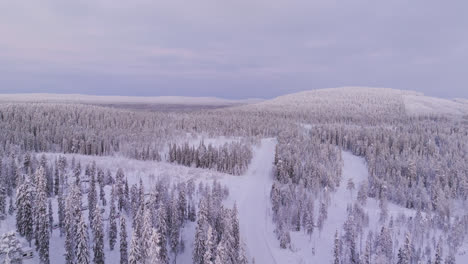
pixel 419 104
pixel 358 101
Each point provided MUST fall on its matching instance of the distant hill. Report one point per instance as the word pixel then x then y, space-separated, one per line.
pixel 94 99
pixel 367 101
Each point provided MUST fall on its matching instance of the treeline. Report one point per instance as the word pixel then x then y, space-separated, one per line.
pixel 83 129
pixel 232 158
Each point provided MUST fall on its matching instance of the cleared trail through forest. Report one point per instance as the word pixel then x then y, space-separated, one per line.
pixel 254 204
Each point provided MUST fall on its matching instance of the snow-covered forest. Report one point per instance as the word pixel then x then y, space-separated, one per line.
pixel 344 175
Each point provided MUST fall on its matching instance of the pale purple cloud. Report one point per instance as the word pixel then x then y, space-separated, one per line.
pixel 245 48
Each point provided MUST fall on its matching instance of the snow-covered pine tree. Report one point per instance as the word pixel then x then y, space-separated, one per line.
pixel 146 233
pixel 174 231
pixel 407 253
pixel 222 255
pixel 11 207
pixel 112 223
pixel 336 249
pixel 61 211
pixel 199 246
pixel 182 203
pixel 51 217
pixel 154 256
pixel 322 216
pixel 24 206
pixel 43 230
pixel 82 243
pixel 92 198
pixel 56 178
pixel 210 245
pixel 235 231
pixel 161 227
pixel 309 218
pixel 101 182
pixel 123 241
pixel 98 236
pixel 135 251
pixel 3 195
pixel 438 254
pixel 69 228
pixel 120 189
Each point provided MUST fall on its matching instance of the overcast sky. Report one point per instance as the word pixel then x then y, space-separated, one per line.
pixel 232 49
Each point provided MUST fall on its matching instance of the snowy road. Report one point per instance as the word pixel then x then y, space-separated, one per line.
pixel 254 204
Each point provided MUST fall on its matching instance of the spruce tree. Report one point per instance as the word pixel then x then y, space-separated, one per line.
pixel 24 206
pixel 123 241
pixel 92 199
pixel 112 225
pixel 235 230
pixel 98 235
pixel 82 240
pixel 209 255
pixel 161 227
pixel 135 251
pixel 51 217
pixel 336 249
pixel 154 256
pixel 43 230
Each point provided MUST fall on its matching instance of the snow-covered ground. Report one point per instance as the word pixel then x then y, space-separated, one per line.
pixel 251 194
pixel 419 104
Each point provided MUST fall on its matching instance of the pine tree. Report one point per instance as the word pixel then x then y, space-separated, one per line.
pixel 135 251
pixel 56 179
pixel 43 230
pixel 123 241
pixel 199 246
pixel 98 235
pixel 61 212
pixel 322 216
pixel 175 228
pixel 222 254
pixel 120 191
pixel 146 234
pixel 92 199
pixel 438 255
pixel 406 253
pixel 24 206
pixel 161 228
pixel 112 224
pixel 11 207
pixel 235 230
pixel 182 203
pixel 82 249
pixel 209 255
pixel 336 249
pixel 3 195
pixel 367 253
pixel 51 217
pixel 154 256
pixel 309 219
pixel 69 225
